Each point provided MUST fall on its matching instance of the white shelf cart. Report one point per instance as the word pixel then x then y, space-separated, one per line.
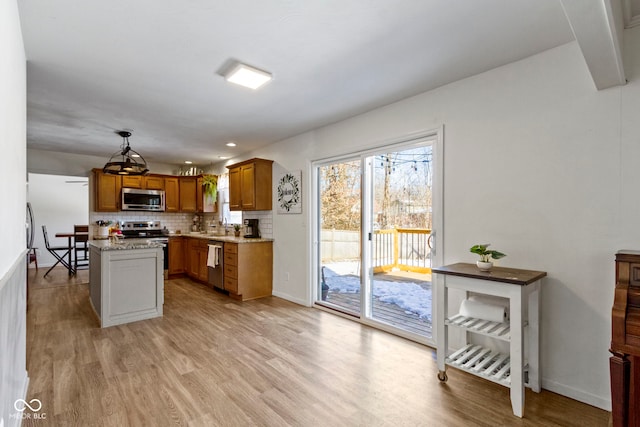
pixel 514 369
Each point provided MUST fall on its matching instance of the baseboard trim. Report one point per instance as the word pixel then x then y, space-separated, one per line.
pixel 290 298
pixel 579 395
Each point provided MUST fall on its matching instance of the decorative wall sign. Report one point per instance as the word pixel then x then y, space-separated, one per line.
pixel 290 193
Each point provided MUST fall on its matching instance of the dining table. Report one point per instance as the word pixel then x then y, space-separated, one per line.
pixel 70 236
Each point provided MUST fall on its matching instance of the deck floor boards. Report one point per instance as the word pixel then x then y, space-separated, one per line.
pixel 388 313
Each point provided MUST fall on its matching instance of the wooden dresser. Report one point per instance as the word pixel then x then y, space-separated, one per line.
pixel 624 363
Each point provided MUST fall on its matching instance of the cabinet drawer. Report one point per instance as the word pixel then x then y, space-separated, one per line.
pixel 231 259
pixel 231 284
pixel 230 271
pixel 230 248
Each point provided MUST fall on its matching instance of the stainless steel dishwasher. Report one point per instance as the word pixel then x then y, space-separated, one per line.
pixel 215 256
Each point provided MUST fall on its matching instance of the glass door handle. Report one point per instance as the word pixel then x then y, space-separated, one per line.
pixel 429 240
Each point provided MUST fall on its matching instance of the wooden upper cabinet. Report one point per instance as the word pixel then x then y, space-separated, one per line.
pixel 149 182
pixel 235 189
pixel 172 194
pixel 154 182
pixel 204 203
pixel 107 191
pixel 130 181
pixel 250 185
pixel 182 194
pixel 188 190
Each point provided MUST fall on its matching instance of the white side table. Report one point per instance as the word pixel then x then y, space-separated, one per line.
pixel 515 369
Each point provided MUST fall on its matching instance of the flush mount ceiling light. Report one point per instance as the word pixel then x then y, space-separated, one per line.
pixel 230 144
pixel 126 161
pixel 247 76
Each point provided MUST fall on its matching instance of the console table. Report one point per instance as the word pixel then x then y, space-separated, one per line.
pixel 522 290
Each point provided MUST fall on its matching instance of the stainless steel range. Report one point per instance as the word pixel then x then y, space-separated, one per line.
pixel 150 230
pixel 141 229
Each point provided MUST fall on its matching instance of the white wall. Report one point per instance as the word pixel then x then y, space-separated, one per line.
pixel 559 174
pixel 13 374
pixel 59 205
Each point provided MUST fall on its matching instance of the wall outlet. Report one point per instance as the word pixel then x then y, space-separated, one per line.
pixel 286 276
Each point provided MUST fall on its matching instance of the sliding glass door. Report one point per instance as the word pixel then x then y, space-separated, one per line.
pixel 375 235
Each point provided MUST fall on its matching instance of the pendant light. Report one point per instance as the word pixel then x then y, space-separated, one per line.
pixel 126 161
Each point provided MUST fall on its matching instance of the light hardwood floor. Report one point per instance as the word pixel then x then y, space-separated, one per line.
pixel 213 361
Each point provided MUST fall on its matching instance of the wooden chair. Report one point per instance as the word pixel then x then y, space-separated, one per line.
pixel 81 246
pixel 59 252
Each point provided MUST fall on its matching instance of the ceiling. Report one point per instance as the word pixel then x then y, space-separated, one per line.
pixel 153 67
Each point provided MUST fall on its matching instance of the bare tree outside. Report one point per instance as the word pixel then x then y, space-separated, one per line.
pixel 403 189
pixel 340 196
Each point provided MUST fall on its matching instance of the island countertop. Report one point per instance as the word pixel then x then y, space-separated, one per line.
pixel 107 245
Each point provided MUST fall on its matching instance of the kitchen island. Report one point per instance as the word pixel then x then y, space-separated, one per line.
pixel 126 282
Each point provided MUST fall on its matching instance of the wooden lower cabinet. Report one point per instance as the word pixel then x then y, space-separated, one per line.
pixel 196 251
pixel 176 256
pixel 230 274
pixel 248 269
pixel 203 269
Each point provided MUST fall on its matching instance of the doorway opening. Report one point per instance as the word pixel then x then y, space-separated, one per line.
pixel 59 202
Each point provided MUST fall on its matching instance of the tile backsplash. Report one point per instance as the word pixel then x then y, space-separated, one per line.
pixel 181 221
pixel 266 221
pixel 173 221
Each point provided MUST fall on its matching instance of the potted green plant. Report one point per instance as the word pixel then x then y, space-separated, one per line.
pixel 236 230
pixel 486 255
pixel 210 187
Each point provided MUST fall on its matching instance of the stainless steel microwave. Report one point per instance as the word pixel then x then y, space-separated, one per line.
pixel 134 199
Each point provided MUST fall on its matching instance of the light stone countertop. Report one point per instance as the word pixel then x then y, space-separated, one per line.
pixel 107 245
pixel 223 238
